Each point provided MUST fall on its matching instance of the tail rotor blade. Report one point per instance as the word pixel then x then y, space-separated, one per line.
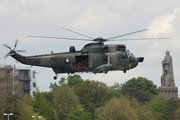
pixel 6 46
pixel 16 41
pixel 12 51
pixel 20 50
pixel 7 55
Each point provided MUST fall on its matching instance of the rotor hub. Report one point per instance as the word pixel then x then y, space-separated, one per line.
pixel 100 39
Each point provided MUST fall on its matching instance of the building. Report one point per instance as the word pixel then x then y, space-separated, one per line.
pixel 18 80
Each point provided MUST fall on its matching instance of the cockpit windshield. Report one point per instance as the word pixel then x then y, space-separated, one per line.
pixel 129 54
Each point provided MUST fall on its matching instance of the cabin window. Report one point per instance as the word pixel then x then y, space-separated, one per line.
pixel 67 60
pixel 95 59
pixel 82 61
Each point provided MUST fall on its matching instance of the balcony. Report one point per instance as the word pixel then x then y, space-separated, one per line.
pixel 27 87
pixel 23 77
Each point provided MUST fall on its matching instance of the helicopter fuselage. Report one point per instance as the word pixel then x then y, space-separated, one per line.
pixel 93 57
pixel 71 62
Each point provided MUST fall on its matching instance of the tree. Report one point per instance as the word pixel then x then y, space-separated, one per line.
pixel 159 108
pixel 116 87
pixel 140 110
pixel 141 84
pixel 177 114
pixel 109 95
pixel 140 88
pixel 53 86
pixel 42 107
pixel 64 101
pixel 72 81
pixel 11 105
pixel 79 114
pixel 173 105
pixel 116 109
pixel 25 108
pixel 8 100
pixel 90 94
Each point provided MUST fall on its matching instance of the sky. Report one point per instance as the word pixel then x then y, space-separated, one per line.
pixel 102 18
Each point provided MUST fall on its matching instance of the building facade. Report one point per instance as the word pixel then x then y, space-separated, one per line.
pixel 18 80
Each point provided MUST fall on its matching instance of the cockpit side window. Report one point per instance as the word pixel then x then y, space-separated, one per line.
pixel 124 55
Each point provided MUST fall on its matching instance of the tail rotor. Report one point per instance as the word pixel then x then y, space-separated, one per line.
pixel 12 51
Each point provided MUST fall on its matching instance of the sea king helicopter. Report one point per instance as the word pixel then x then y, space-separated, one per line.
pixel 94 57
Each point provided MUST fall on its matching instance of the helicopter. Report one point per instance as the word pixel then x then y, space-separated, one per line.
pixel 95 57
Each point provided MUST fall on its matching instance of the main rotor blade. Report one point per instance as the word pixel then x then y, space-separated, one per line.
pixel 127 34
pixel 6 46
pixel 61 38
pixel 138 39
pixel 16 41
pixel 77 33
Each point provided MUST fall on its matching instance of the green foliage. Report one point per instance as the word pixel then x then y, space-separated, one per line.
pixel 11 105
pixel 141 84
pixel 64 101
pixel 143 113
pixel 159 108
pixel 48 96
pixel 42 107
pixel 140 95
pixel 91 94
pixel 110 94
pixel 177 114
pixel 53 86
pixel 74 80
pixel 141 110
pixel 116 87
pixel 76 99
pixel 115 109
pixel 25 108
pixel 141 88
pixel 79 114
pixel 1 113
pixel 173 105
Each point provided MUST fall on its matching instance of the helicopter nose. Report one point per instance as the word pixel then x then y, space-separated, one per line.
pixel 136 61
pixel 140 59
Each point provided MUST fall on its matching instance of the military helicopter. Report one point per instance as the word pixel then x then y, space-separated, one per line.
pixel 94 57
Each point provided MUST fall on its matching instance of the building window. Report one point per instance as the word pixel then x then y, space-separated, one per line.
pixel 34 84
pixel 34 73
pixel 34 93
pixel 23 74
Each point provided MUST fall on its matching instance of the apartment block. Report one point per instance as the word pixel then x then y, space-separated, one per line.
pixel 18 80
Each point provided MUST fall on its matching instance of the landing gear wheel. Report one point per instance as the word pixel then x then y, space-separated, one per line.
pixel 124 71
pixel 55 77
pixel 106 71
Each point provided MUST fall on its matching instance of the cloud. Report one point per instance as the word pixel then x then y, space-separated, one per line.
pixel 162 24
pixel 6 9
